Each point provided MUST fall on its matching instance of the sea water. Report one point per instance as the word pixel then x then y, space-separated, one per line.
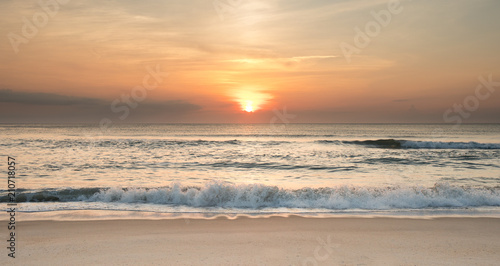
pixel 256 169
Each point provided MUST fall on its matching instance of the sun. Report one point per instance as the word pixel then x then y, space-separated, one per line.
pixel 251 99
pixel 249 107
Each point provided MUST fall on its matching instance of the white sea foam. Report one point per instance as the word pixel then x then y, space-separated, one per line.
pixel 225 195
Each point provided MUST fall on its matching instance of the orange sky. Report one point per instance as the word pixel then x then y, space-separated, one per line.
pixel 75 61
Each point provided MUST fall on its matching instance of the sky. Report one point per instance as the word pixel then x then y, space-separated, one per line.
pixel 249 61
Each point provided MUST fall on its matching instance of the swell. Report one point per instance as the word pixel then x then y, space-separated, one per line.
pixel 411 144
pixel 161 143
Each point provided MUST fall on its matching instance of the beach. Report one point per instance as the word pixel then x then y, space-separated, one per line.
pixel 259 241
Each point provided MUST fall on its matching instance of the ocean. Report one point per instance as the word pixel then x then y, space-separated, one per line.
pixel 255 169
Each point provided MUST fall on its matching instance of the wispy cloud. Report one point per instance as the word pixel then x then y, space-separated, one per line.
pixel 281 60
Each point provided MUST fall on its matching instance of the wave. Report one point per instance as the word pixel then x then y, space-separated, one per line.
pixel 257 196
pixel 448 145
pixel 410 144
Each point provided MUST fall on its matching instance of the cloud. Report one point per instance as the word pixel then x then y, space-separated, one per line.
pixel 43 106
pixel 281 60
pixel 401 100
pixel 171 106
pixel 414 99
pixel 42 98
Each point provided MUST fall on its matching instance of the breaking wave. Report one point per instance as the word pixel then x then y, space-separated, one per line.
pixel 257 196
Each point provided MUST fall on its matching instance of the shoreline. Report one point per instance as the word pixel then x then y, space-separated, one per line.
pixel 103 215
pixel 276 240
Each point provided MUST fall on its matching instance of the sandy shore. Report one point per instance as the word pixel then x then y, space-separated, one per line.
pixel 262 241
